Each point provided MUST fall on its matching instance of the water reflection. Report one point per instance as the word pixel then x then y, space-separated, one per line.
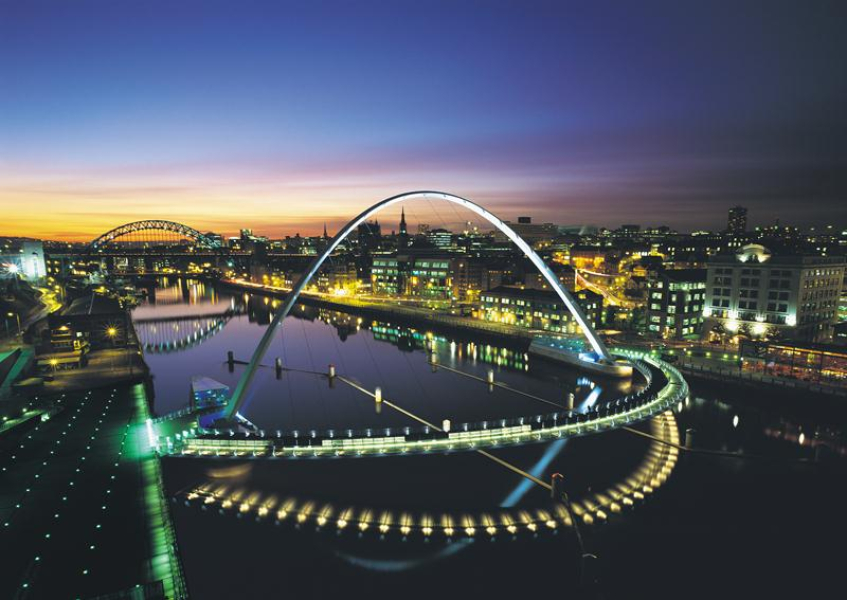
pixel 197 325
pixel 395 357
pixel 716 501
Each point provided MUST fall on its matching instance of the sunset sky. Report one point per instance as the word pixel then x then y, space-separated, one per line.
pixel 282 115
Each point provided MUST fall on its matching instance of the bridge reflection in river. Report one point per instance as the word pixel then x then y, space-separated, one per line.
pixel 193 338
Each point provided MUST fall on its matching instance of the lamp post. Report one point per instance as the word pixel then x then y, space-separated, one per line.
pixel 17 318
pixel 112 332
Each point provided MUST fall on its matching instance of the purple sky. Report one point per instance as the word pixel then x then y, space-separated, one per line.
pixel 283 115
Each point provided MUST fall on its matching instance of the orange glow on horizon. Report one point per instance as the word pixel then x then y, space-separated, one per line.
pixel 80 206
pixel 80 215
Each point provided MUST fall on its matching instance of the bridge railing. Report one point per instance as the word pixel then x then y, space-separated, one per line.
pixel 624 410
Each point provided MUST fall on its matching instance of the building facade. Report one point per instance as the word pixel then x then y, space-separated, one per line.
pixel 758 295
pixel 675 301
pixel 538 309
pixel 430 275
pixel 22 257
pixel 529 231
pixel 736 223
pixel 386 276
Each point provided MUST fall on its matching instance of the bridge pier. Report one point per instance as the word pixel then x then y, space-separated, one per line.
pixel 689 437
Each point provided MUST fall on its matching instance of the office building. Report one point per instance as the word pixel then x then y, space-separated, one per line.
pixel 756 294
pixel 737 221
pixel 538 309
pixel 675 301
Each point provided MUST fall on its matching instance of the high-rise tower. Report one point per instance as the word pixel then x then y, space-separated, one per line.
pixel 737 220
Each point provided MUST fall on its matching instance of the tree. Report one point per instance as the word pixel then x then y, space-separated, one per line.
pixel 744 331
pixel 775 335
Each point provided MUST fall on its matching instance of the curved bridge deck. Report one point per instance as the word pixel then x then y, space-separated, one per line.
pixel 666 387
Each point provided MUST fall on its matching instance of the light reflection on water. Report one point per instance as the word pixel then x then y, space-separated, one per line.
pixel 372 352
pixel 394 357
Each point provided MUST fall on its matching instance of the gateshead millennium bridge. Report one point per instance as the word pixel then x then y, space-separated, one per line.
pixel 222 432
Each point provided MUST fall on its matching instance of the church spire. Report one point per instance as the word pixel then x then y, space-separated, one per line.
pixel 403 221
pixel 325 235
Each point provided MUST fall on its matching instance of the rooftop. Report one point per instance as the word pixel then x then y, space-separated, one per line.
pixel 94 304
pixel 200 383
pixel 686 275
pixel 534 294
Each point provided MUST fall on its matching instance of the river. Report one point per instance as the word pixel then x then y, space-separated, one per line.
pixel 720 525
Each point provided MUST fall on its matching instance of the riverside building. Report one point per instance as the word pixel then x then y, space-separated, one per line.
pixel 758 295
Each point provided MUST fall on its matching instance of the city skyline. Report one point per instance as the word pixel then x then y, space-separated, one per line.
pixel 279 119
pixel 495 298
pixel 389 227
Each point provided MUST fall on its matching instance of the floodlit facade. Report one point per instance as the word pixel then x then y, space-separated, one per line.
pixel 538 309
pixel 436 276
pixel 23 258
pixel 675 301
pixel 759 295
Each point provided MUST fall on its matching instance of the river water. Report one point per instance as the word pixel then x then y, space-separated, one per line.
pixel 729 526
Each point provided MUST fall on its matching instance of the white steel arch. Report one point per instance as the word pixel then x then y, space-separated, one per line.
pixel 238 396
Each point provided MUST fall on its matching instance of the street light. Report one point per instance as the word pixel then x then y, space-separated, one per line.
pixel 17 318
pixel 112 331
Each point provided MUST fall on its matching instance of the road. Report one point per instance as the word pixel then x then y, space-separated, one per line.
pixel 105 367
pixel 611 298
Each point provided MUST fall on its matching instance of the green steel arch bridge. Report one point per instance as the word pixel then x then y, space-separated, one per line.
pixel 150 233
